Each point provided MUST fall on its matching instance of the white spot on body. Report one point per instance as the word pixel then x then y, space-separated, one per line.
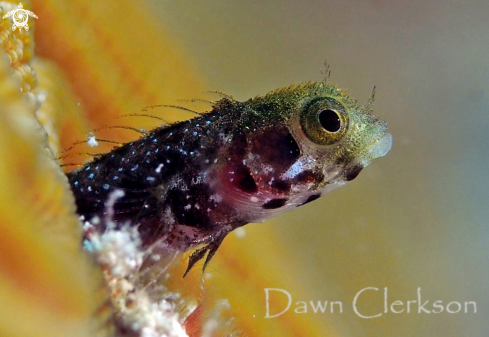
pixel 254 199
pixel 298 167
pixel 169 216
pixel 158 169
pixel 199 179
pixel 215 197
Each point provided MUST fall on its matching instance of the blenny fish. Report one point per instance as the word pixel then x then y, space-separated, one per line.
pixel 193 182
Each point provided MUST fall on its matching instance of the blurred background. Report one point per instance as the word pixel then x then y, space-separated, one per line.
pixel 416 218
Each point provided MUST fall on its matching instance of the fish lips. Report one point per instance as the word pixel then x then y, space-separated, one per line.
pixel 377 149
pixel 380 147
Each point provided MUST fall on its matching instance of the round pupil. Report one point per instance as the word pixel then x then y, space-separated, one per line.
pixel 329 120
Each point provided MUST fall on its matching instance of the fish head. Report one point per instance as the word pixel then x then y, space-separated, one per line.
pixel 300 143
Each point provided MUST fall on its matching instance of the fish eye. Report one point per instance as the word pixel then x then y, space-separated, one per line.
pixel 329 120
pixel 324 121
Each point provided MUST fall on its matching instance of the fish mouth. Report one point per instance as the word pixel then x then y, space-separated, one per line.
pixel 380 147
pixel 377 149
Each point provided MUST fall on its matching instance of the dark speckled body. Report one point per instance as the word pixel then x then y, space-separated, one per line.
pixel 193 182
